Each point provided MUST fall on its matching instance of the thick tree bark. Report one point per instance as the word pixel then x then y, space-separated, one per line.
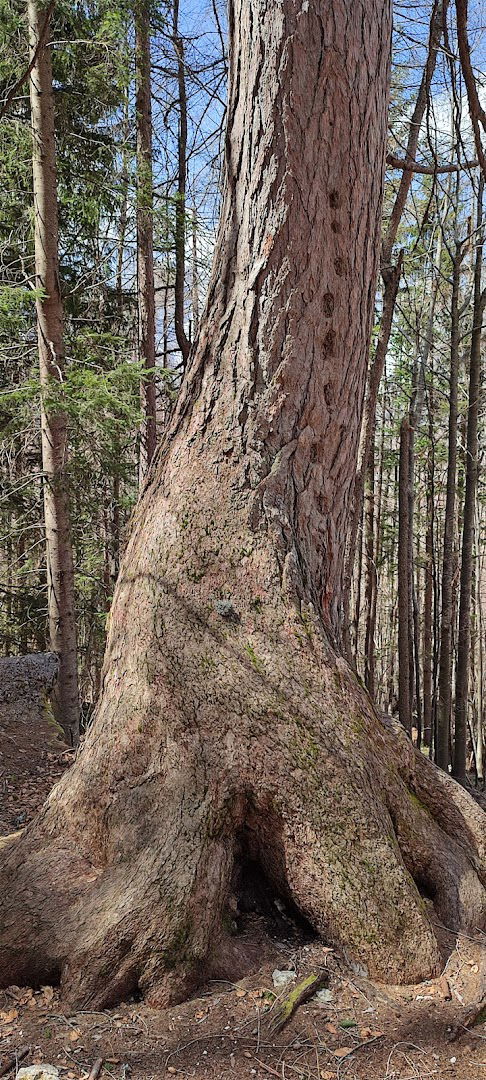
pixel 145 226
pixel 464 634
pixel 60 568
pixel 228 728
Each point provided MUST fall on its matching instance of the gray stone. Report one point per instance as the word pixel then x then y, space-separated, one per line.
pixel 38 1072
pixel 282 978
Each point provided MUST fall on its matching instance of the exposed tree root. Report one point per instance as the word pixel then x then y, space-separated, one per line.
pixel 473 1015
pixel 344 818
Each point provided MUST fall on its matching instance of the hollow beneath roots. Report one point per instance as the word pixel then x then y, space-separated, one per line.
pixel 253 894
pixel 315 816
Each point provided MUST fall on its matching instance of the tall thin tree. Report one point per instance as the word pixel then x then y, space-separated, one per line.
pixel 145 225
pixel 446 623
pixel 60 568
pixel 391 270
pixel 180 206
pixel 472 460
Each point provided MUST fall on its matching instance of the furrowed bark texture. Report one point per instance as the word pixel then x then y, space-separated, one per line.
pixel 227 727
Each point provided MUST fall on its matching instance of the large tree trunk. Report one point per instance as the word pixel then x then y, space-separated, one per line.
pixel 59 552
pixel 228 728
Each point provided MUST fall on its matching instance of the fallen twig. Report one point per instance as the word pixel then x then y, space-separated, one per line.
pixel 95 1069
pixel 268 1068
pixel 354 1050
pixel 301 993
pixel 14 1060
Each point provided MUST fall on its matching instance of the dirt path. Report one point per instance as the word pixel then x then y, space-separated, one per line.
pixel 33 754
pixel 364 1031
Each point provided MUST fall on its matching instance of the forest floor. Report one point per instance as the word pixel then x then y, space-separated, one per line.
pixel 365 1031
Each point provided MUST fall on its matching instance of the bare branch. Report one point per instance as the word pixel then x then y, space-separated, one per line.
pixel 428 170
pixel 476 111
pixel 25 74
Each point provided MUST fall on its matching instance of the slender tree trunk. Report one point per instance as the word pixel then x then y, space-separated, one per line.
pixel 60 568
pixel 391 279
pixel 115 526
pixel 429 582
pixel 446 622
pixel 370 570
pixel 357 589
pixel 145 226
pixel 180 209
pixel 378 547
pixel 480 679
pixel 416 646
pixel 410 525
pixel 195 304
pixel 229 727
pixel 123 220
pixel 415 417
pixel 9 597
pixel 464 638
pixel 391 274
pixel 404 635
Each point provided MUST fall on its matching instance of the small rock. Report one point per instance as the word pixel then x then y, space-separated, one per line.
pixel 323 996
pixel 282 978
pixel 38 1072
pixel 358 969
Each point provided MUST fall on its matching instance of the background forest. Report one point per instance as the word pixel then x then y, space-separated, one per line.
pixel 139 112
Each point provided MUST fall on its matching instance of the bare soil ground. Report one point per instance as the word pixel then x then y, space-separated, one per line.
pixel 364 1032
pixel 32 757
